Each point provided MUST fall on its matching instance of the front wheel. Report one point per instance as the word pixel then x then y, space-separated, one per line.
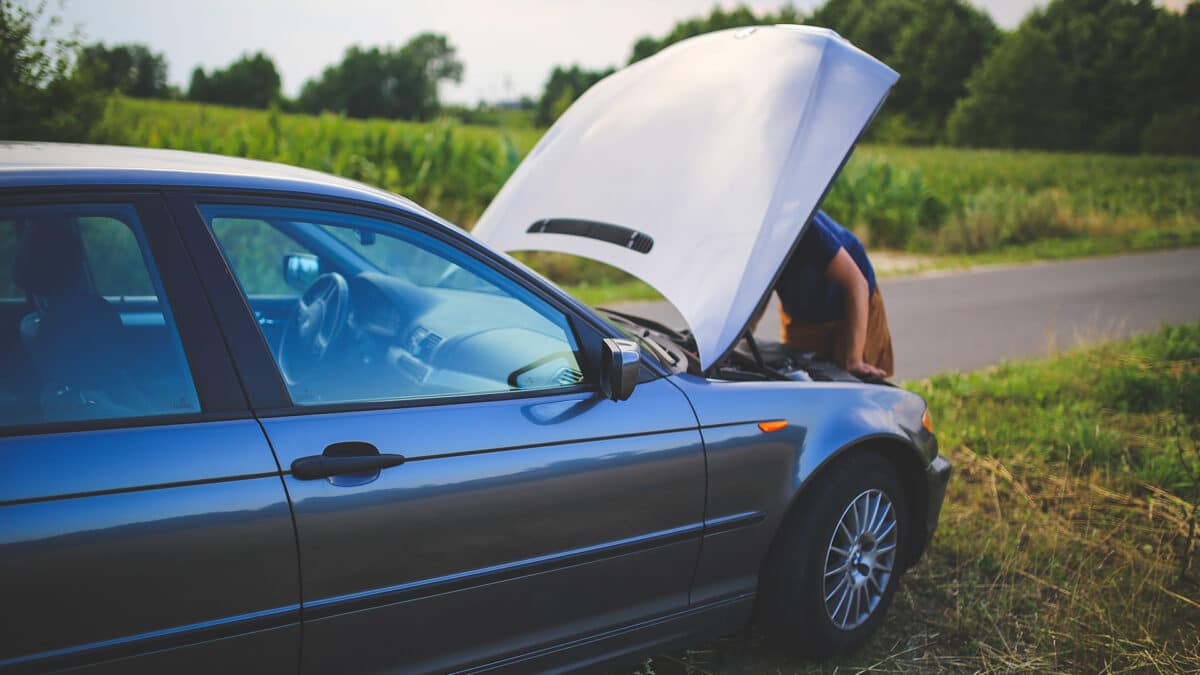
pixel 832 572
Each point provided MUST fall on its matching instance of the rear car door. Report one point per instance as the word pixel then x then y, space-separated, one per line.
pixel 529 509
pixel 143 522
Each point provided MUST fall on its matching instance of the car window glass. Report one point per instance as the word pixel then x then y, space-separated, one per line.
pixel 392 313
pixel 84 325
pixel 416 264
pixel 256 251
pixel 114 258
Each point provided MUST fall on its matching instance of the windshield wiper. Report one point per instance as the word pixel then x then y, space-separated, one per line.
pixel 642 334
pixel 656 349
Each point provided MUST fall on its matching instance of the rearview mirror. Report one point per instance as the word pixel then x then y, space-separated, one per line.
pixel 300 270
pixel 622 363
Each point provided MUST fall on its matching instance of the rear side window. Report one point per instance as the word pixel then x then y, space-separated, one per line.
pixel 114 257
pixel 85 329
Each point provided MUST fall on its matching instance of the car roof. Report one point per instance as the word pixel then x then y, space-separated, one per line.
pixel 35 164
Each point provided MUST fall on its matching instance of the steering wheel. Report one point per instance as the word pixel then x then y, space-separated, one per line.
pixel 319 320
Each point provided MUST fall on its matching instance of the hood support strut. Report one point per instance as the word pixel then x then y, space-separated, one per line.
pixel 753 344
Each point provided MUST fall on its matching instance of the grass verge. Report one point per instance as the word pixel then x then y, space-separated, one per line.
pixel 1067 248
pixel 1068 540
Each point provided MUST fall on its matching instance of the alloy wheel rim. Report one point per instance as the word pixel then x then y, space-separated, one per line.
pixel 860 559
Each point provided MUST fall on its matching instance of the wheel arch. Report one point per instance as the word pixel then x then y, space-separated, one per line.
pixel 910 468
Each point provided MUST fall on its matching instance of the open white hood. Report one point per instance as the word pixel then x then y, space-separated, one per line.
pixel 695 170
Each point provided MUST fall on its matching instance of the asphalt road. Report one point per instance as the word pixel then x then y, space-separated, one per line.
pixel 968 320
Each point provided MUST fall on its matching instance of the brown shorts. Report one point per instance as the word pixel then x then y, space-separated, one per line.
pixel 827 338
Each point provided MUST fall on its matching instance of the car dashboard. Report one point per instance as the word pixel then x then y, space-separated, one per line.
pixel 411 340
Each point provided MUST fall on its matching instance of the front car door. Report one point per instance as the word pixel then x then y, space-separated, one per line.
pixel 529 509
pixel 143 523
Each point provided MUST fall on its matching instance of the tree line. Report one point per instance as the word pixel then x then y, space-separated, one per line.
pixel 368 82
pixel 1101 75
pixel 54 87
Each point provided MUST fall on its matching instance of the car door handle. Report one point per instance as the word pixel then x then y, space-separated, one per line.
pixel 338 460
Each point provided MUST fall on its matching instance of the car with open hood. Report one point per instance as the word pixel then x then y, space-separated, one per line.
pixel 260 418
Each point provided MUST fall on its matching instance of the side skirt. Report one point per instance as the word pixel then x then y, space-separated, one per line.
pixel 628 644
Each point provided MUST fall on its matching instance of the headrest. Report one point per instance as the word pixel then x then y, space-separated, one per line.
pixel 49 257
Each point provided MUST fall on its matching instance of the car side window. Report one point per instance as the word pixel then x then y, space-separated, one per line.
pixel 385 312
pixel 249 244
pixel 84 324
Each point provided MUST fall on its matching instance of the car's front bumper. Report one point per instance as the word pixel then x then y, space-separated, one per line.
pixel 937 476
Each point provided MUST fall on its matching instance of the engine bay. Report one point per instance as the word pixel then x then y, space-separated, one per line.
pixel 751 359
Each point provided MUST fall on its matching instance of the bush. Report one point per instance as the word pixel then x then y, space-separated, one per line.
pixel 890 204
pixel 997 217
pixel 1174 132
pixel 43 96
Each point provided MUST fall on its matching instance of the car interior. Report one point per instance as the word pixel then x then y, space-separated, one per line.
pixel 342 326
pixel 355 314
pixel 71 352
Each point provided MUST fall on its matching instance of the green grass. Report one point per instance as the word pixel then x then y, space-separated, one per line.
pixel 604 293
pixel 1065 528
pixel 957 206
pixel 1059 248
pixel 1125 413
pixel 1101 245
pixel 957 201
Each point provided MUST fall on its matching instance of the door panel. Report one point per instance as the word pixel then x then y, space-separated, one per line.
pixel 49 466
pixel 142 514
pixel 512 524
pixel 440 633
pixel 119 564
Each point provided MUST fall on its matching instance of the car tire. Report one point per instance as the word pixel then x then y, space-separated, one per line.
pixel 827 583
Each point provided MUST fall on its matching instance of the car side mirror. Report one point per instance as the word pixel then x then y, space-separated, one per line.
pixel 622 363
pixel 300 270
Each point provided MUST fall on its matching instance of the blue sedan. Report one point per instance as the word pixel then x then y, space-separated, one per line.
pixel 252 413
pixel 260 419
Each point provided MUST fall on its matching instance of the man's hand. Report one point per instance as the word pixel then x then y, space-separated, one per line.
pixel 865 370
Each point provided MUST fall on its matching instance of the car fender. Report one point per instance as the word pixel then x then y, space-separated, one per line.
pixel 755 477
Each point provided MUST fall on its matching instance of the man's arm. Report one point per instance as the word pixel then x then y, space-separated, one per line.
pixel 844 272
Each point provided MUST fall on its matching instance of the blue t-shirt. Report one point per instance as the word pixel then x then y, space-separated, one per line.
pixel 806 294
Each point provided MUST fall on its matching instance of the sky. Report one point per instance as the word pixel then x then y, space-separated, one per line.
pixel 507 46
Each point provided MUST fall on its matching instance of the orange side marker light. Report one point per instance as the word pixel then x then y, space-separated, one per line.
pixel 772 425
pixel 927 421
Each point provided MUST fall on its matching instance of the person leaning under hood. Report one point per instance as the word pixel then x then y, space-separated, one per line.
pixel 830 304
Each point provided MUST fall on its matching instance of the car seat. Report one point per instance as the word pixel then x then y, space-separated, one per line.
pixel 74 336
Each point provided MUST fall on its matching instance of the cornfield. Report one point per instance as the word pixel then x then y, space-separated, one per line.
pixel 929 200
